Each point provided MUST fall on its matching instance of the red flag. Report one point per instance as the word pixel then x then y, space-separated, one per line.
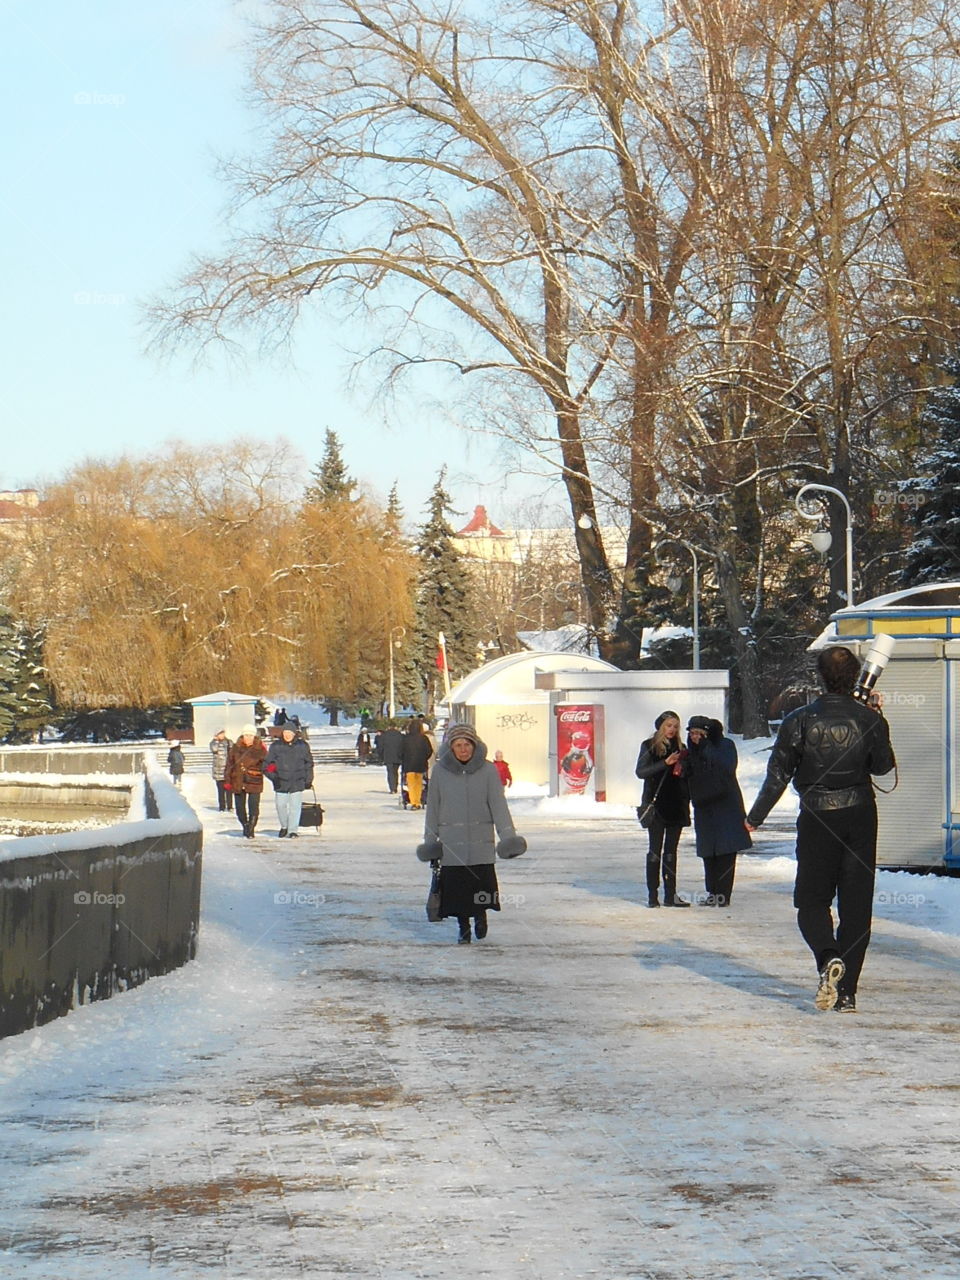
pixel 441 659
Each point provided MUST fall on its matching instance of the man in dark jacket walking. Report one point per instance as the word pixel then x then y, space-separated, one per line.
pixel 289 766
pixel 830 749
pixel 391 753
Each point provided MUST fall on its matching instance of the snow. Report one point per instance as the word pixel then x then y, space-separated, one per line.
pixel 335 1088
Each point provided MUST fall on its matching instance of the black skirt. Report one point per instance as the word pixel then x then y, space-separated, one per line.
pixel 465 891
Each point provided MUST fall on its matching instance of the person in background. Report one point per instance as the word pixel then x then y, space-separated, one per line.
pixel 831 749
pixel 220 746
pixel 245 777
pixel 660 765
pixel 466 811
pixel 363 746
pixel 391 752
pixel 176 763
pixel 417 750
pixel 501 766
pixel 710 769
pixel 289 766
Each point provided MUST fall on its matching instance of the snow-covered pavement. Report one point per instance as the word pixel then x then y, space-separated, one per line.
pixel 335 1088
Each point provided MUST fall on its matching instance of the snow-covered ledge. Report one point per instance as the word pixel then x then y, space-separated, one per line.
pixel 86 914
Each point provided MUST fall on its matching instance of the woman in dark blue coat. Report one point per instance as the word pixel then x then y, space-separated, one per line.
pixel 718 812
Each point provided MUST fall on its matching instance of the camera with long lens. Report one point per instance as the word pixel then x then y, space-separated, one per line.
pixel 877 657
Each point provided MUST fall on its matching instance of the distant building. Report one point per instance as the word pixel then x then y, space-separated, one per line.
pixel 480 539
pixel 18 504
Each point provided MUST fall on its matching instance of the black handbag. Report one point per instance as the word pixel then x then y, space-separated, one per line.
pixel 311 815
pixel 645 812
pixel 433 897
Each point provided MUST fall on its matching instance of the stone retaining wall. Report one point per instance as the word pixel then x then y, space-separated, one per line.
pixel 87 914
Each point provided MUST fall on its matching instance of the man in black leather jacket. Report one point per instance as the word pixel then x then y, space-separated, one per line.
pixel 830 749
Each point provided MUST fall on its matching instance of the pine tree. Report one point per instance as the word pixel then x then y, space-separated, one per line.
pixel 25 698
pixel 393 516
pixel 8 675
pixel 444 596
pixel 934 553
pixel 33 693
pixel 329 479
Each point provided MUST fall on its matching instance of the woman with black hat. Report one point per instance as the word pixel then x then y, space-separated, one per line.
pixel 665 808
pixel 718 813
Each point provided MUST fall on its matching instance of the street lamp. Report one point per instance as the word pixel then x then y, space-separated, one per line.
pixel 394 643
pixel 820 538
pixel 675 582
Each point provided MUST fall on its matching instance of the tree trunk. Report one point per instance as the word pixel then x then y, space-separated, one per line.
pixel 747 669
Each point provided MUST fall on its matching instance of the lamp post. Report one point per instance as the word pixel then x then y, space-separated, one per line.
pixel 391 706
pixel 820 538
pixel 674 584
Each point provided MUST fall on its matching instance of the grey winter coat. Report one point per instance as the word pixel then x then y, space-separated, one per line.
pixel 220 750
pixel 465 805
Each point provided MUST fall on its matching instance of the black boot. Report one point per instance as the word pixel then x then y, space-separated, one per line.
pixel 464 923
pixel 480 925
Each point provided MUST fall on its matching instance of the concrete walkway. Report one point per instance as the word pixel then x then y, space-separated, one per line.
pixel 334 1088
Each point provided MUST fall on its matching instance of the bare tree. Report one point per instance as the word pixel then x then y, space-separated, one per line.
pixel 682 236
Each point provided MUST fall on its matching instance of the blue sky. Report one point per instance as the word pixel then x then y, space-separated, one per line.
pixel 115 116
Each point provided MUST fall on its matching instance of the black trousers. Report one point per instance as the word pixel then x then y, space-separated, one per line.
pixel 393 777
pixel 718 876
pixel 662 855
pixel 248 807
pixel 837 857
pixel 224 797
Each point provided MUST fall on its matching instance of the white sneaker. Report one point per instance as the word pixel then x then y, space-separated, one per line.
pixel 830 975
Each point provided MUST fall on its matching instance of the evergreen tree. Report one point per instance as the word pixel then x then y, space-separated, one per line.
pixel 393 516
pixel 25 699
pixel 33 693
pixel 8 675
pixel 329 479
pixel 934 553
pixel 444 598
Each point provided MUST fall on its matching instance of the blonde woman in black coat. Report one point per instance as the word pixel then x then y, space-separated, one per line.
pixel 660 765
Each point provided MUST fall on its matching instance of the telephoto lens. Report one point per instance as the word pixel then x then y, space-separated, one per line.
pixel 878 655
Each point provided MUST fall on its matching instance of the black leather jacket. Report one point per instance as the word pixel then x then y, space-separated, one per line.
pixel 829 748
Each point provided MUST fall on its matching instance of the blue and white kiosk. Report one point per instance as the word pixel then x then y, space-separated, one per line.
pixel 920 820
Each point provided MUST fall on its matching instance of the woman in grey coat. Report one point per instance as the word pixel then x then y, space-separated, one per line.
pixel 466 811
pixel 220 746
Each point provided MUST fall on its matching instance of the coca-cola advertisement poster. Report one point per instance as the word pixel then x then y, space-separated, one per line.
pixel 580 764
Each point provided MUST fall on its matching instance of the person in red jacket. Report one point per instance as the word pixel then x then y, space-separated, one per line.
pixel 501 766
pixel 245 776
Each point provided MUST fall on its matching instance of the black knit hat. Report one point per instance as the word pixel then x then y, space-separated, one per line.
pixel 665 715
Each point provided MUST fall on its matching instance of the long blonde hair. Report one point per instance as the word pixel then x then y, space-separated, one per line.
pixel 660 739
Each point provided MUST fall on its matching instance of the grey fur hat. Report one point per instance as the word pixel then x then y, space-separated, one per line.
pixel 461 731
pixel 430 851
